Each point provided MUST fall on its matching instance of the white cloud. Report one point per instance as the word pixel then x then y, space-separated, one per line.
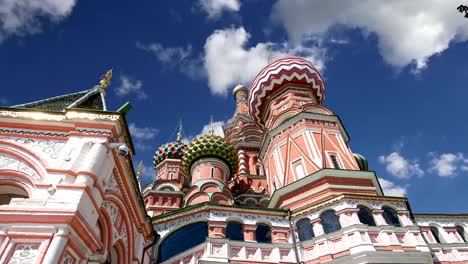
pixel 217 127
pixel 398 166
pixel 214 8
pixel 130 86
pixel 147 174
pixel 21 17
pixel 408 32
pixel 449 164
pixel 228 61
pixel 143 133
pixel 390 189
pixel 168 54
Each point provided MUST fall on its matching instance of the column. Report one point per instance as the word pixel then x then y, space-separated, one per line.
pixel 56 246
pixel 93 163
pixel 279 234
pixel 378 217
pixel 249 232
pixel 216 229
pixel 318 228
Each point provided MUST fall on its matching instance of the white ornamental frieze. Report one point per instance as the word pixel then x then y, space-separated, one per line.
pixel 12 163
pixel 42 147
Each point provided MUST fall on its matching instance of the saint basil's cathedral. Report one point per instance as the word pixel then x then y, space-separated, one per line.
pixel 281 186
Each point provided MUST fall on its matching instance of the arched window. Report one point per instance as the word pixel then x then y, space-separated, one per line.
pixel 365 216
pixel 304 228
pixel 212 172
pixel 263 233
pixel 461 232
pixel 435 233
pixel 8 192
pixel 330 221
pixel 390 216
pixel 234 231
pixel 183 239
pixel 257 170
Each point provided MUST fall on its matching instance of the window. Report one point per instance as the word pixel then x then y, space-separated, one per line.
pixel 212 172
pixel 330 221
pixel 435 233
pixel 298 169
pixel 274 186
pixel 334 159
pixel 461 232
pixel 390 216
pixel 257 170
pixel 263 233
pixel 304 228
pixel 234 231
pixel 182 239
pixel 198 173
pixel 8 192
pixel 171 175
pixel 365 216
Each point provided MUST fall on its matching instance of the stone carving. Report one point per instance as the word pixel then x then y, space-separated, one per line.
pixel 68 259
pixel 24 254
pixel 248 218
pixel 12 163
pixel 49 147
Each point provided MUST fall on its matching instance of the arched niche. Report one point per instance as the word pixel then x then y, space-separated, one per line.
pixel 182 239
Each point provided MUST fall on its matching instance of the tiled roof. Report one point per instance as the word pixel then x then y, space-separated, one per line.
pixel 88 99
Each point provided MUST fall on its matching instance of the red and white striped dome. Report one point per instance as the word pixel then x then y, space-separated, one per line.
pixel 278 73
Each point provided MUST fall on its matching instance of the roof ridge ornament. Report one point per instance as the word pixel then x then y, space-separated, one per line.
pixel 105 79
pixel 179 134
pixel 211 126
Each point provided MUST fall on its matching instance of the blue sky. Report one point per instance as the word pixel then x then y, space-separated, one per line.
pixel 395 72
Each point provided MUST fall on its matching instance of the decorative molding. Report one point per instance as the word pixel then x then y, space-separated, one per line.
pixel 33 132
pixel 51 148
pixel 12 163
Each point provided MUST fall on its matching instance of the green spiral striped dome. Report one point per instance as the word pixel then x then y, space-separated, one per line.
pixel 171 150
pixel 211 146
pixel 361 161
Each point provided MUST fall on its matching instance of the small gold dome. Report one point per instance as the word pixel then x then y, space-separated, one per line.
pixel 239 88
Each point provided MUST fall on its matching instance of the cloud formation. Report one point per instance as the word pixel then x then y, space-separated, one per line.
pixel 217 127
pixel 141 135
pixel 214 8
pixel 166 54
pixel 130 86
pixel 228 61
pixel 408 32
pixel 391 189
pixel 449 164
pixel 22 17
pixel 398 166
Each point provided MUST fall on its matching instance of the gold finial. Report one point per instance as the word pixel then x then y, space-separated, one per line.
pixel 105 79
pixel 211 126
pixel 179 135
pixel 140 170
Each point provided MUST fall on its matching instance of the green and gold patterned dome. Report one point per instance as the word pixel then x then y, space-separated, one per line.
pixel 172 150
pixel 211 146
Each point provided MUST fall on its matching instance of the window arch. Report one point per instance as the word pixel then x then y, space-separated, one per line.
pixel 461 232
pixel 330 221
pixel 10 190
pixel 234 231
pixel 365 216
pixel 263 233
pixel 390 216
pixel 435 233
pixel 182 239
pixel 304 229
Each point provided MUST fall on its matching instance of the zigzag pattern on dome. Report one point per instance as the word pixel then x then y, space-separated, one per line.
pixel 171 150
pixel 273 76
pixel 211 146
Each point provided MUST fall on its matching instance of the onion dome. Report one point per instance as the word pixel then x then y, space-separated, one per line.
pixel 172 150
pixel 206 146
pixel 275 75
pixel 239 88
pixel 361 161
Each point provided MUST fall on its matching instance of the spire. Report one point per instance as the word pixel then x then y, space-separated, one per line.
pixel 139 170
pixel 211 126
pixel 179 134
pixel 105 79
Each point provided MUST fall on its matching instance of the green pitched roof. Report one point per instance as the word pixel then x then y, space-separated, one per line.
pixel 88 99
